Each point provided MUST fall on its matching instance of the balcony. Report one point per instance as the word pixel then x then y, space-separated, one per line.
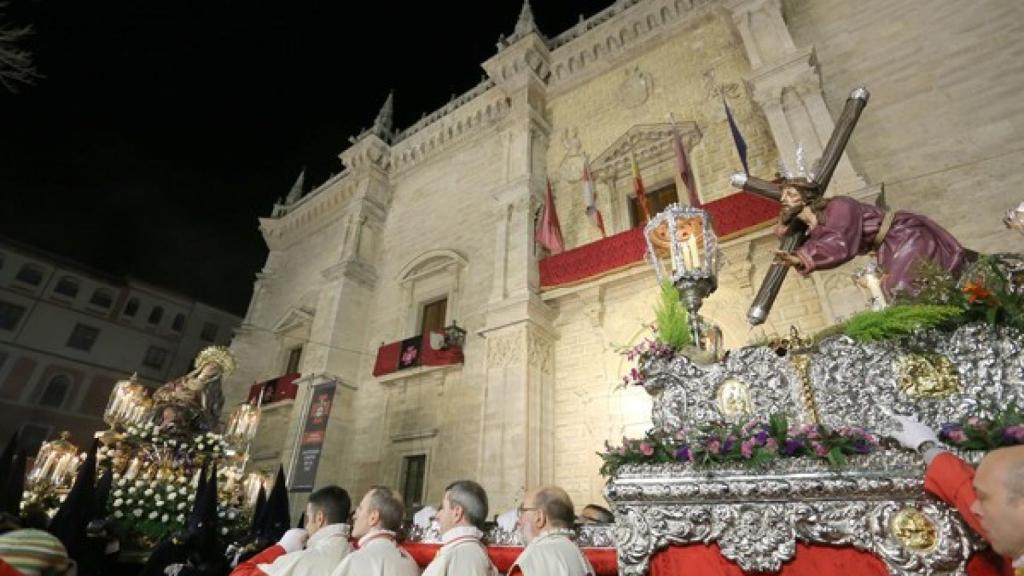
pixel 274 390
pixel 733 216
pixel 424 350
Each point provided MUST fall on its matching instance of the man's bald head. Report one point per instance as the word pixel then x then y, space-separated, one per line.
pixel 545 509
pixel 999 487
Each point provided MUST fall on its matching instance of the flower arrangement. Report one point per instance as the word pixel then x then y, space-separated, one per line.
pixel 202 442
pixel 151 508
pixel 973 433
pixel 755 443
pixel 649 348
pixel 669 335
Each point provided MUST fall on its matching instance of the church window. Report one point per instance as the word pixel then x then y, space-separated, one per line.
pixel 155 357
pixel 67 286
pixel 179 323
pixel 156 315
pixel 10 315
pixel 414 470
pixel 102 298
pixel 83 337
pixel 433 316
pixel 294 356
pixel 657 200
pixel 56 391
pixel 30 274
pixel 131 308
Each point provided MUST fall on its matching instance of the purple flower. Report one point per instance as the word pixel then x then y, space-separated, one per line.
pixel 683 454
pixel 957 436
pixel 1014 434
pixel 792 446
pixel 761 437
pixel 728 444
pixel 861 446
pixel 747 448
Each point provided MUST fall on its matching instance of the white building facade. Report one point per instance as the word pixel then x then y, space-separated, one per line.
pixel 68 333
pixel 444 211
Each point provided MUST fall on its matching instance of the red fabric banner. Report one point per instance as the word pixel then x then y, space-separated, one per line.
pixel 734 215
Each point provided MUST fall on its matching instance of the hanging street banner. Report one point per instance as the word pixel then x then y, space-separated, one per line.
pixel 311 441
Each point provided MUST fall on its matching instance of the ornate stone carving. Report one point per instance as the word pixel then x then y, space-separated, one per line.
pixel 635 88
pixel 540 351
pixel 504 349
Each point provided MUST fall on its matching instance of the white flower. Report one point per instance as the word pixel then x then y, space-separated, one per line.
pixel 182 479
pixel 220 514
pixel 118 514
pixel 129 502
pixel 159 503
pixel 191 497
pixel 164 518
pixel 181 518
pixel 172 442
pixel 131 489
pixel 181 506
pixel 118 503
pixel 137 512
pixel 232 515
pixel 63 497
pixel 172 495
pixel 224 531
pixel 200 446
pixel 139 483
pixel 153 515
pixel 118 493
pixel 182 490
pixel 148 492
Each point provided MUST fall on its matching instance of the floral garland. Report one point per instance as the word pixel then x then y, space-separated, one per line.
pixel 755 443
pixel 202 442
pixel 648 349
pixel 974 433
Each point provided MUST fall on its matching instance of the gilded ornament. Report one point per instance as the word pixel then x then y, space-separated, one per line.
pixel 927 376
pixel 914 530
pixel 219 355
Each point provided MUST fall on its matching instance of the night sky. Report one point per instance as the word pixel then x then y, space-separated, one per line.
pixel 161 130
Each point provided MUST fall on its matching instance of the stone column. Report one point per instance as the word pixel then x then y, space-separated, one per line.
pixel 787 86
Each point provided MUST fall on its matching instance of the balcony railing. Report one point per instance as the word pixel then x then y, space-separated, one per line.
pixel 430 349
pixel 275 389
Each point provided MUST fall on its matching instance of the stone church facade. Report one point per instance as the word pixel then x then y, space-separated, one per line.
pixel 445 210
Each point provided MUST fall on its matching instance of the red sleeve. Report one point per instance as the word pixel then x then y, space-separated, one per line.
pixel 951 479
pixel 251 566
pixel 7 570
pixel 515 571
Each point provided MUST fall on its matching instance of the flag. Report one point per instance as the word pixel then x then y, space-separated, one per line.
pixel 737 138
pixel 684 176
pixel 590 199
pixel 638 187
pixel 549 232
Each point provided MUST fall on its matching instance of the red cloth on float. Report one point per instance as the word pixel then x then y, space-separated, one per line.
pixel 251 566
pixel 603 560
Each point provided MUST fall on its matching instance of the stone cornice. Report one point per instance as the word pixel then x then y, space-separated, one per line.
pixel 649 143
pixel 613 33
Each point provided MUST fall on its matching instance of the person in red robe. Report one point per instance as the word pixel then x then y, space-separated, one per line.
pixel 990 499
pixel 841 228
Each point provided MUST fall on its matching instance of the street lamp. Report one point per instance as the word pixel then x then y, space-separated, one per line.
pixel 683 249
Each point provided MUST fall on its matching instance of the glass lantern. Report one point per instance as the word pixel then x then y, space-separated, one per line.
pixel 454 336
pixel 55 464
pixel 683 249
pixel 243 424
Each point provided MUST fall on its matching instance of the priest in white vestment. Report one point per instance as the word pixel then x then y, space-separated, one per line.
pixel 377 521
pixel 313 551
pixel 462 514
pixel 546 518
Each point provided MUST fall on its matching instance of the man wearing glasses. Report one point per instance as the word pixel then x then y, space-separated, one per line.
pixel 545 521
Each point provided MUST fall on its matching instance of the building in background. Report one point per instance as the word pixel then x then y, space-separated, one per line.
pixel 68 333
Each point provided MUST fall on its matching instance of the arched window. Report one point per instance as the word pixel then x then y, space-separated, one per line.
pixel 67 286
pixel 131 308
pixel 179 323
pixel 156 315
pixel 30 274
pixel 102 297
pixel 56 391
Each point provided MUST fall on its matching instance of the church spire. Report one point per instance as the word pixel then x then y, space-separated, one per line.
pixel 296 192
pixel 525 25
pixel 382 125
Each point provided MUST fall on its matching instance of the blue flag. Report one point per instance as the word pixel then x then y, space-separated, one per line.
pixel 741 144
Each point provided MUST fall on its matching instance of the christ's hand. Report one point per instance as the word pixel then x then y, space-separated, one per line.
pixel 789 259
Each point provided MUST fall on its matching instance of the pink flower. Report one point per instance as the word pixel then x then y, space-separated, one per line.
pixel 976 422
pixel 646 448
pixel 1015 432
pixel 713 446
pixel 747 448
pixel 820 450
pixel 771 445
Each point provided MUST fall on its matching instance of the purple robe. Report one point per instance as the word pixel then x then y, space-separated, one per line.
pixel 849 227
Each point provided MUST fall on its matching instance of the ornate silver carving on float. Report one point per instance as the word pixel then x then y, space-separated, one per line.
pixel 876 503
pixel 757 518
pixel 587 536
